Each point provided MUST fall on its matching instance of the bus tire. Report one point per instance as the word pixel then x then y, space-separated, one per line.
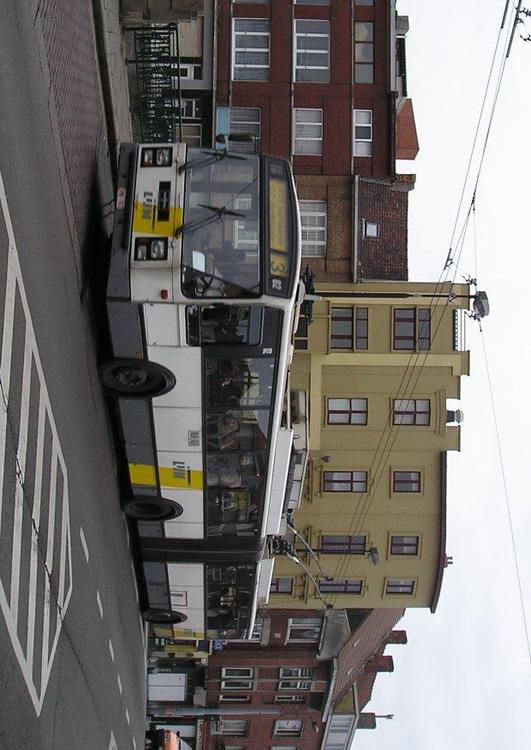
pixel 151 508
pixel 136 378
pixel 163 616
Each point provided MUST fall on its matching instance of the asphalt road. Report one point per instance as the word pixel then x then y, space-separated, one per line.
pixel 72 664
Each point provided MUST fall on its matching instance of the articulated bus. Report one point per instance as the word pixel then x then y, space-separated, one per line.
pixel 203 298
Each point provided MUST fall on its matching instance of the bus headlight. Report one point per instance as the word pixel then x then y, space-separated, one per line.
pixel 151 248
pixel 156 157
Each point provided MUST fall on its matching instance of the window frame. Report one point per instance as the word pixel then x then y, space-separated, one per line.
pixel 342 586
pixel 287 731
pixel 352 544
pixel 277 580
pixel 356 340
pixel 295 624
pixel 420 338
pixel 244 724
pixel 349 412
pixel 302 35
pixel 418 482
pixel 359 140
pixel 238 127
pixel 368 44
pixel 318 140
pixel 416 413
pixel 404 545
pixel 317 243
pixel 352 481
pixel 392 586
pixel 234 65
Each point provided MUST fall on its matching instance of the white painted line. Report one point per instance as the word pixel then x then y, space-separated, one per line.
pixel 127 533
pixel 111 649
pixel 19 487
pixel 100 605
pixel 112 742
pixel 84 543
pixel 32 586
pixel 134 744
pixel 120 688
pixel 134 581
pixel 127 716
pixel 49 565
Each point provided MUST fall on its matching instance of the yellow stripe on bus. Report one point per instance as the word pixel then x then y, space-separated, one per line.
pixel 145 220
pixel 183 478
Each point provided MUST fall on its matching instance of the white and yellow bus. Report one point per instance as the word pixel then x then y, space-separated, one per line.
pixel 203 298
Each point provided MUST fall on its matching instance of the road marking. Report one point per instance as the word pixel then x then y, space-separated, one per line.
pixel 98 602
pixel 134 744
pixel 120 688
pixel 32 512
pixel 84 543
pixel 112 742
pixel 111 649
pixel 127 716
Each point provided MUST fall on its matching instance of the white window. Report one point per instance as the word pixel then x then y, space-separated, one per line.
pixel 370 229
pixel 234 728
pixel 308 131
pixel 245 121
pixel 288 728
pixel 295 678
pixel 237 678
pixel 246 230
pixel 190 108
pixel 313 225
pixel 362 126
pixel 304 629
pixel 192 134
pixel 250 49
pixel 312 50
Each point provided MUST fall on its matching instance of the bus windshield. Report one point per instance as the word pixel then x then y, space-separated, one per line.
pixel 220 233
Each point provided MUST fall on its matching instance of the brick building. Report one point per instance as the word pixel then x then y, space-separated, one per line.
pixel 324 84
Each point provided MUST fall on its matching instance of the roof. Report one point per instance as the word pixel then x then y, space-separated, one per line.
pixel 442 537
pixel 407 144
pixel 364 643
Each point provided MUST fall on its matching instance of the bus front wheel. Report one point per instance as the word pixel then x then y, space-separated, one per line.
pixel 163 616
pixel 136 378
pixel 151 508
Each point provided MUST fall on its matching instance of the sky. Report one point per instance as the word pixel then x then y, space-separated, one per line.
pixel 464 679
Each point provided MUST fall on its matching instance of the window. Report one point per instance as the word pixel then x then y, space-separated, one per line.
pixel 251 49
pixel 411 411
pixel 192 134
pixel 364 52
pixel 341 586
pixel 295 678
pixel 237 678
pixel 308 131
pixel 245 121
pixel 362 132
pixel 234 727
pixel 191 109
pixel 311 2
pixel 281 585
pixel 345 481
pixel 339 543
pixel 404 545
pixel 371 230
pixel 363 2
pixel 347 411
pixel 412 328
pixel 235 698
pixel 290 699
pixel 312 47
pixel 304 629
pixel 313 225
pixel 399 586
pixel 349 328
pixel 406 481
pixel 288 728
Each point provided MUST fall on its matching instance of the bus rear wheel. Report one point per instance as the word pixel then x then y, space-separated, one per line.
pixel 151 508
pixel 163 616
pixel 136 378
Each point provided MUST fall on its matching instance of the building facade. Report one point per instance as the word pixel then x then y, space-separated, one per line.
pixel 382 367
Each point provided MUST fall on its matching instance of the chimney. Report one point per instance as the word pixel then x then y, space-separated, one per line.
pixel 380 664
pixel 366 721
pixel 397 636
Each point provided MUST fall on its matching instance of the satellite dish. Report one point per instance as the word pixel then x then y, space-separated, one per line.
pixel 481 305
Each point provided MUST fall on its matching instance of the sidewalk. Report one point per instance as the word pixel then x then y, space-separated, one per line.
pixel 111 53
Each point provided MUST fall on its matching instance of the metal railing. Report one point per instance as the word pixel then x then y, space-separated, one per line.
pixel 156 83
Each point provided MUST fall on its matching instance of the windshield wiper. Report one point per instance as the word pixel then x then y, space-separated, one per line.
pixel 217 213
pixel 213 157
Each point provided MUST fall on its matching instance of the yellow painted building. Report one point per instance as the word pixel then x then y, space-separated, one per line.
pixel 382 361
